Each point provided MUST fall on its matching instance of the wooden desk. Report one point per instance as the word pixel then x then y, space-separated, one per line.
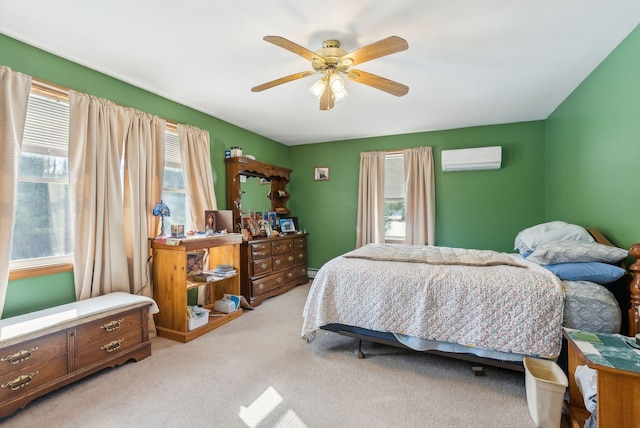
pixel 618 390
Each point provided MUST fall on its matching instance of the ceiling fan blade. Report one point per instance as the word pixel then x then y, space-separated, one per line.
pixel 383 47
pixel 290 46
pixel 326 99
pixel 281 80
pixel 389 86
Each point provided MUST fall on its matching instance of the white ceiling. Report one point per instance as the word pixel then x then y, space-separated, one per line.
pixel 469 62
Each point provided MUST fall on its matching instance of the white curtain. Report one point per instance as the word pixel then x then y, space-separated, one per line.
pixel 420 197
pixel 370 223
pixel 14 97
pixel 143 171
pixel 95 150
pixel 198 176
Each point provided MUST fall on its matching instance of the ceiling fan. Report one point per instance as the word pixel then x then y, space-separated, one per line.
pixel 331 61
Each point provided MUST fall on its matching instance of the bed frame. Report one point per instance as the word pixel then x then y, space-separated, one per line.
pixel 626 291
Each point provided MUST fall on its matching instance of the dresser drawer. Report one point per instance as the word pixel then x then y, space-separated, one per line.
pixel 282 262
pixel 261 266
pixel 260 250
pixel 106 329
pixel 32 352
pixel 97 351
pixel 24 380
pixel 300 244
pixel 300 255
pixel 264 285
pixel 297 273
pixel 282 247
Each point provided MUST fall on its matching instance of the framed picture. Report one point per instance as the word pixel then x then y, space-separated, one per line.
pixel 264 224
pixel 286 225
pixel 272 218
pixel 321 173
pixel 253 227
pixel 209 221
pixel 195 262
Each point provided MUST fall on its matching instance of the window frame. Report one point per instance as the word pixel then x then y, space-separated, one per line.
pixel 394 239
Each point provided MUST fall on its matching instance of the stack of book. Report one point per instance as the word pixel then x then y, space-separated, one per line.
pixel 221 271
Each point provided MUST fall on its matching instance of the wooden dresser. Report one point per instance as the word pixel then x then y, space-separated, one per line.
pixel 271 266
pixel 67 348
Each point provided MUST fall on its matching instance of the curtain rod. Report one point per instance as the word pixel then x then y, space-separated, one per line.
pixel 61 93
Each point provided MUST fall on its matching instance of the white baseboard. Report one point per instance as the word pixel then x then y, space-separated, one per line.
pixel 312 273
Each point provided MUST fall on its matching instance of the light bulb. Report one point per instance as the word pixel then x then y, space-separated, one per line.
pixel 337 84
pixel 318 88
pixel 340 95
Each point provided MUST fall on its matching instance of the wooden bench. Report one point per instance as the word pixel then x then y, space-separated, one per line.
pixel 45 350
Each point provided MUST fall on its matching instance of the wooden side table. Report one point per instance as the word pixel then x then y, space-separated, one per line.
pixel 618 379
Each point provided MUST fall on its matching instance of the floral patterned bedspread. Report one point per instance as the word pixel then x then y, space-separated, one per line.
pixel 501 307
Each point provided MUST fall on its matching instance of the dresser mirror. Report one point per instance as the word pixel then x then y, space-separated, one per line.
pixel 245 191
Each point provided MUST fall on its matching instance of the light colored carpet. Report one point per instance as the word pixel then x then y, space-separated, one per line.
pixel 257 372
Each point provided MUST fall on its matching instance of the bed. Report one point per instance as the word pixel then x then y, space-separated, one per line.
pixel 478 305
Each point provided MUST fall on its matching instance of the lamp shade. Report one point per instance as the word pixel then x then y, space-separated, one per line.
pixel 161 210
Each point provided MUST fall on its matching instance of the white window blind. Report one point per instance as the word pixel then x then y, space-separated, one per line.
pixel 172 157
pixel 46 129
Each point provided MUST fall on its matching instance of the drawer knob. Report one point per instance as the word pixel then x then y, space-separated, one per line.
pixel 277 262
pixel 112 325
pixel 279 280
pixel 290 258
pixel 20 381
pixel 114 345
pixel 289 274
pixel 20 356
pixel 301 255
pixel 263 265
pixel 261 286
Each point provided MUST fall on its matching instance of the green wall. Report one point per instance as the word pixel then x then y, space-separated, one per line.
pixel 474 209
pixel 36 293
pixel 593 149
pixel 576 166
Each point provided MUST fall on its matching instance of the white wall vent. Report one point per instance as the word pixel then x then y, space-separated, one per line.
pixel 472 159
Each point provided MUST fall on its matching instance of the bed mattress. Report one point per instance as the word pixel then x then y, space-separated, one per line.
pixel 501 308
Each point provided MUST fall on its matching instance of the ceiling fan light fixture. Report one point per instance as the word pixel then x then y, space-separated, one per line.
pixel 336 83
pixel 318 87
pixel 332 60
pixel 340 95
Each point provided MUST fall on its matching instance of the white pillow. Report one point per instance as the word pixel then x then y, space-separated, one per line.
pixel 576 251
pixel 530 239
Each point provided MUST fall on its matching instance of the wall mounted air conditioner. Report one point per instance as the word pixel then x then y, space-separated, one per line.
pixel 472 159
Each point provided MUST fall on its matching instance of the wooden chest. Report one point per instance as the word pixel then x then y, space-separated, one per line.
pixel 34 364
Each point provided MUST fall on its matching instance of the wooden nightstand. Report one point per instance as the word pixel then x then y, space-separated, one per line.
pixel 618 391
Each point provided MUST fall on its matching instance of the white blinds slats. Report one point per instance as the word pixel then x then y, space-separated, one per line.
pixel 172 157
pixel 47 126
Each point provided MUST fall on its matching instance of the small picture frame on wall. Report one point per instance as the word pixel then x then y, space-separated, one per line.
pixel 321 173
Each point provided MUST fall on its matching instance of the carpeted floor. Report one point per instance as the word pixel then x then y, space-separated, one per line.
pixel 257 372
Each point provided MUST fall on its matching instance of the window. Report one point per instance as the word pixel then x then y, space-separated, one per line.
pixel 174 194
pixel 394 198
pixel 42 233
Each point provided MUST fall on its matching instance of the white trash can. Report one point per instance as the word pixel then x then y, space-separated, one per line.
pixel 545 384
